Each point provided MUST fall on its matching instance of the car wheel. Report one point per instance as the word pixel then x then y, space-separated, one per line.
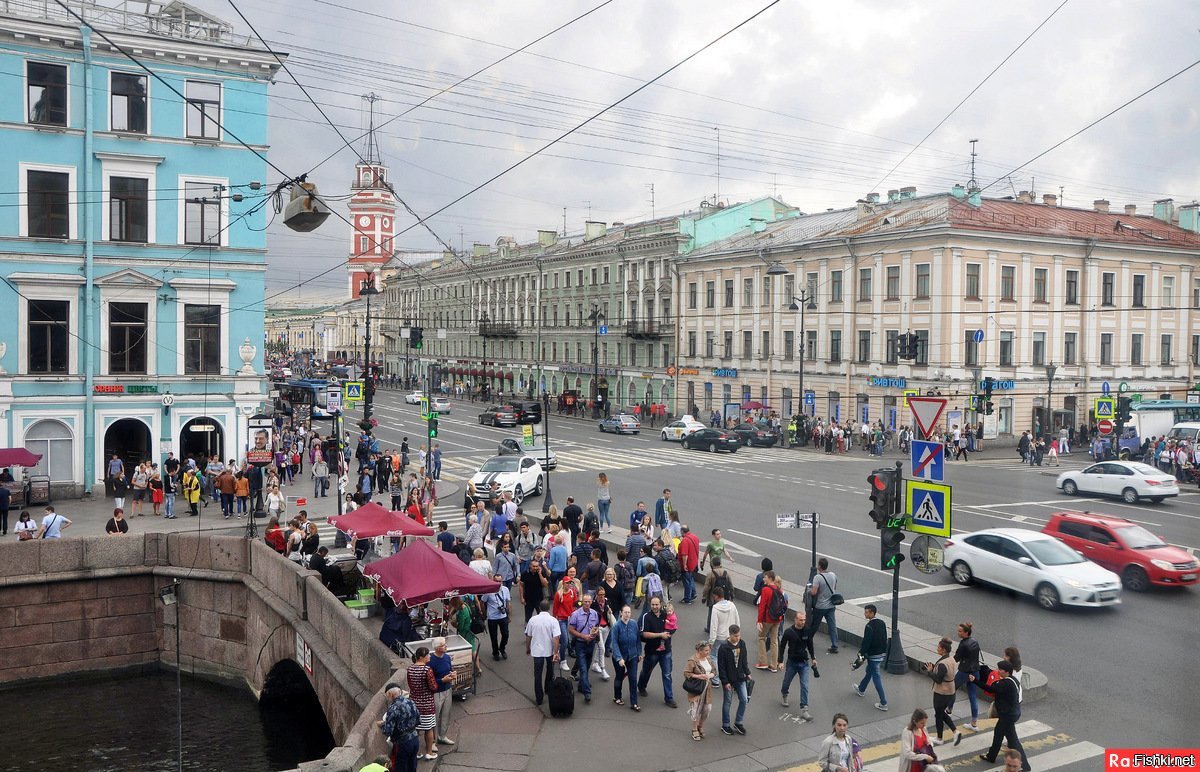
pixel 733 449
pixel 538 490
pixel 1070 488
pixel 1124 455
pixel 481 420
pixel 1047 597
pixel 1130 496
pixel 1134 578
pixel 518 495
pixel 712 447
pixel 962 573
pixel 664 436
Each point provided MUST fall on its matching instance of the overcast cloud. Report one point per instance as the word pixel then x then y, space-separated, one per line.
pixel 816 101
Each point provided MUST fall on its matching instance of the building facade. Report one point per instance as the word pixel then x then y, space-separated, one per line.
pixel 133 250
pixel 1051 302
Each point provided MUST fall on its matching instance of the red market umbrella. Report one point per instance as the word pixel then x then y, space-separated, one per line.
pixel 754 405
pixel 509 376
pixel 474 372
pixel 18 457
pixel 420 573
pixel 371 520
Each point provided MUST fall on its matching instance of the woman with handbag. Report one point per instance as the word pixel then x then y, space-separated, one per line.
pixel 916 752
pixel 942 674
pixel 697 682
pixel 25 527
pixel 839 751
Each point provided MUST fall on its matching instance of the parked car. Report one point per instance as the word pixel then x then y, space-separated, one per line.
pixel 621 424
pixel 711 440
pixel 414 397
pixel 511 447
pixel 1031 563
pixel 519 475
pixel 441 405
pixel 677 430
pixel 754 434
pixel 1138 556
pixel 528 412
pixel 1130 480
pixel 498 415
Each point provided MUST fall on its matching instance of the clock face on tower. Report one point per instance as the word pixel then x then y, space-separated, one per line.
pixel 364 221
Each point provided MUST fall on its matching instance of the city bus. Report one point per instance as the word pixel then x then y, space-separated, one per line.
pixel 307 394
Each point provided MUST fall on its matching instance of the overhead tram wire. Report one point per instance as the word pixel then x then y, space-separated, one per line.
pixel 567 133
pixel 970 94
pixel 457 83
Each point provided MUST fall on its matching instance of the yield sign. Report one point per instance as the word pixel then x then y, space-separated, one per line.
pixel 926 412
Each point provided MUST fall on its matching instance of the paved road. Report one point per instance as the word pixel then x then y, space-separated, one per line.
pixel 741 493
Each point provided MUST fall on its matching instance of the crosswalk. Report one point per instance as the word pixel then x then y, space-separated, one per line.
pixel 1046 748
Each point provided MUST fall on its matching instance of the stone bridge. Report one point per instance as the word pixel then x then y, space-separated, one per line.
pixel 87 604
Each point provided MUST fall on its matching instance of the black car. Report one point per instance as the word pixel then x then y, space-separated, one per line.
pixel 527 412
pixel 711 440
pixel 754 435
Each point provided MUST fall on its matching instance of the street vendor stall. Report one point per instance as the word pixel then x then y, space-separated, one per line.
pixel 421 573
pixel 23 489
pixel 371 521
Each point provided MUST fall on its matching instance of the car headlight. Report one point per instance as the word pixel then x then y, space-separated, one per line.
pixel 1078 585
pixel 1165 565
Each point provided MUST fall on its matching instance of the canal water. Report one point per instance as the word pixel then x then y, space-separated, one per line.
pixel 129 723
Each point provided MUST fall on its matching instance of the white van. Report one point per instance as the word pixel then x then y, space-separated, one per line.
pixel 1188 431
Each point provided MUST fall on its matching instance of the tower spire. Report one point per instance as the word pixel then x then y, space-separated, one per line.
pixel 371 148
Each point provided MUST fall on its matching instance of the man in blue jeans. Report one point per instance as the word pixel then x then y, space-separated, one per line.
pixel 733 670
pixel 822 590
pixel 584 628
pixel 874 648
pixel 798 657
pixel 653 627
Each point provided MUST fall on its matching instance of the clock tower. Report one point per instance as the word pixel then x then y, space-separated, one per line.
pixel 372 213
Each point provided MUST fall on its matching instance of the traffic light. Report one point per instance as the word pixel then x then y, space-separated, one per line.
pixel 902 346
pixel 988 384
pixel 416 337
pixel 890 539
pixel 1124 407
pixel 883 496
pixel 433 426
pixel 989 406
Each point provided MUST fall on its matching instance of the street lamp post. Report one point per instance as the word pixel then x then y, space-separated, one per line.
pixel 1050 370
pixel 548 499
pixel 354 342
pixel 595 318
pixel 483 330
pixel 368 289
pixel 804 301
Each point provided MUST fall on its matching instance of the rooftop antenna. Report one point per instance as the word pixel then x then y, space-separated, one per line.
pixel 371 148
pixel 1062 201
pixel 774 185
pixel 651 187
pixel 973 183
pixel 717 201
pixel 564 221
pixel 588 204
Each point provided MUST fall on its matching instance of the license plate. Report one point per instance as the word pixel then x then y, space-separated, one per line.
pixel 1188 577
pixel 1107 595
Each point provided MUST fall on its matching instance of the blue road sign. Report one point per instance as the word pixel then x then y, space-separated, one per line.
pixel 928 461
pixel 603 329
pixel 978 336
pixel 810 398
pixel 1105 389
pixel 929 505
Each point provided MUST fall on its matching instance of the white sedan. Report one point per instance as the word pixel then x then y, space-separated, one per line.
pixel 1130 480
pixel 677 430
pixel 1031 563
pixel 414 397
pixel 519 475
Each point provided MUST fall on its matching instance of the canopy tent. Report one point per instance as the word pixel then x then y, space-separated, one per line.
pixel 18 457
pixel 754 405
pixel 421 572
pixel 371 520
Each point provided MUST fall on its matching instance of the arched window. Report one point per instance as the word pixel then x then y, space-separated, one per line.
pixel 54 442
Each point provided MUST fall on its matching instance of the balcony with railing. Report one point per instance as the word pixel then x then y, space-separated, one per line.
pixel 647 329
pixel 497 330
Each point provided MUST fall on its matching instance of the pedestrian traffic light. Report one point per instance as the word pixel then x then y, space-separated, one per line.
pixel 988 384
pixel 416 337
pixel 1124 408
pixel 989 406
pixel 890 538
pixel 433 426
pixel 883 495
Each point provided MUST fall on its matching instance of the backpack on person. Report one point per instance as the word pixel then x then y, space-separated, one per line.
pixel 478 624
pixel 627 576
pixel 591 522
pixel 777 607
pixel 723 581
pixel 668 567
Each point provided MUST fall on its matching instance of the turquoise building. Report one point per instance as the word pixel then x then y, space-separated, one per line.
pixel 132 244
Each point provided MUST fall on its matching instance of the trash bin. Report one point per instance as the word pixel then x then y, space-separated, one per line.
pixel 38 491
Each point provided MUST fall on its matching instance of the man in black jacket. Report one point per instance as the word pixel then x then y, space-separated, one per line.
pixel 796 651
pixel 1007 693
pixel 874 648
pixel 967 657
pixel 733 669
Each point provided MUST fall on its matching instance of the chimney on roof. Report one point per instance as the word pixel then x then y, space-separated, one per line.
pixel 958 191
pixel 908 192
pixel 1189 218
pixel 547 238
pixel 1131 209
pixel 1049 199
pixel 1025 197
pixel 1164 209
pixel 1101 205
pixel 893 195
pixel 757 225
pixel 593 230
pixel 872 198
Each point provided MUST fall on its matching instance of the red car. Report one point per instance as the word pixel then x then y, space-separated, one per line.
pixel 1126 548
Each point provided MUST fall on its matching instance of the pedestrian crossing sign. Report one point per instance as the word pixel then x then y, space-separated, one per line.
pixel 929 506
pixel 909 393
pixel 352 391
pixel 1106 407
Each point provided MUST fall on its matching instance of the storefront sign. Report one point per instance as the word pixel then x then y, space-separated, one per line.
pixel 584 370
pixel 724 372
pixel 999 385
pixel 887 383
pixel 120 388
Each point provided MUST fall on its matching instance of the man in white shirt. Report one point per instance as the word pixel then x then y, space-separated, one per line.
pixel 541 643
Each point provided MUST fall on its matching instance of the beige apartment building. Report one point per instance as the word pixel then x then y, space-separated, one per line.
pixel 1052 302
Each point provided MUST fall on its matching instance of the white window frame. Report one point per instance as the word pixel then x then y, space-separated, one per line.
pixel 223 238
pixel 48 286
pixel 23 170
pixel 149 101
pixel 220 111
pixel 130 287
pixel 202 292
pixel 136 167
pixel 1168 292
pixel 25 91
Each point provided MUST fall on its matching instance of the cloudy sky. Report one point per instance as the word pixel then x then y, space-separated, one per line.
pixel 817 102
